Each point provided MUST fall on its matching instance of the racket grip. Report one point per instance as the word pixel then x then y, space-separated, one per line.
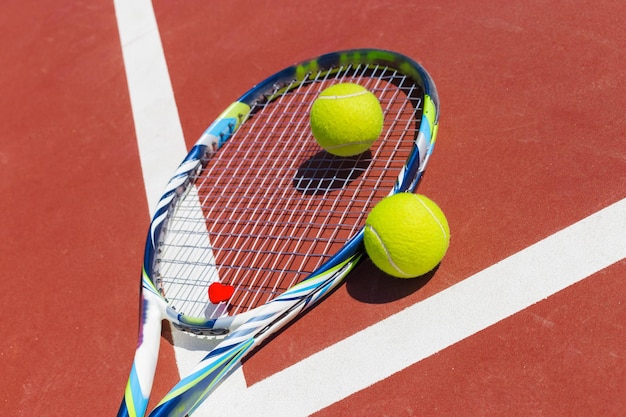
pixel 139 385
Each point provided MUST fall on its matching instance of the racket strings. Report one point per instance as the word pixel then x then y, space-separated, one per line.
pixel 273 223
pixel 270 207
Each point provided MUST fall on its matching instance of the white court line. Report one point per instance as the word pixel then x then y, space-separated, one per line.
pixel 403 339
pixel 159 137
pixel 440 321
pixel 157 125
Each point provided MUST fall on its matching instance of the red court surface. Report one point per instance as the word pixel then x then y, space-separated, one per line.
pixel 532 140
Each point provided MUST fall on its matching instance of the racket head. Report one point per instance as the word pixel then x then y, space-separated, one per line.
pixel 257 206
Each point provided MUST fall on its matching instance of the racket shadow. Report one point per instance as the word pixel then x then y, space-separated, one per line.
pixel 370 285
pixel 324 172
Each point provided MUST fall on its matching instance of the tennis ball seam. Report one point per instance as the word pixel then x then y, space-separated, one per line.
pixel 387 254
pixel 339 97
pixel 443 229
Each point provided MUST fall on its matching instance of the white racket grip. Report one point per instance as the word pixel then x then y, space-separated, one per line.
pixel 141 376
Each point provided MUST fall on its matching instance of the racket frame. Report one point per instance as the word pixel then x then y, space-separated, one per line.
pixel 247 330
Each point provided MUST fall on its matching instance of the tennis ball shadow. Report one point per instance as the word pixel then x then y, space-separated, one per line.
pixel 369 284
pixel 324 172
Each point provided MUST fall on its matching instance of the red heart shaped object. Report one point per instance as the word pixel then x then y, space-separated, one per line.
pixel 219 292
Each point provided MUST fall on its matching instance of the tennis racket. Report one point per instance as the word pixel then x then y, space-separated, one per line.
pixel 259 223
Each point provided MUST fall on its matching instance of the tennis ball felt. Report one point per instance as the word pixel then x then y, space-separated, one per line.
pixel 346 119
pixel 406 235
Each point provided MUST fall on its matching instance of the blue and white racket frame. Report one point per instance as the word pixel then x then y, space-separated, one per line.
pixel 248 330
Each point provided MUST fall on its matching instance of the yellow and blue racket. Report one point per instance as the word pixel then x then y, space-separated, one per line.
pixel 259 223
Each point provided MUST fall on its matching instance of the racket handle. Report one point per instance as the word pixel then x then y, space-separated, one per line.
pixel 193 389
pixel 139 385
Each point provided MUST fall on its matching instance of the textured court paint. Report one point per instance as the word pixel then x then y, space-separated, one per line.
pixel 64 86
pixel 76 215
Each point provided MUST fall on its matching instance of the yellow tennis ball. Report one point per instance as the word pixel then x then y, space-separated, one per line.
pixel 406 235
pixel 346 119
